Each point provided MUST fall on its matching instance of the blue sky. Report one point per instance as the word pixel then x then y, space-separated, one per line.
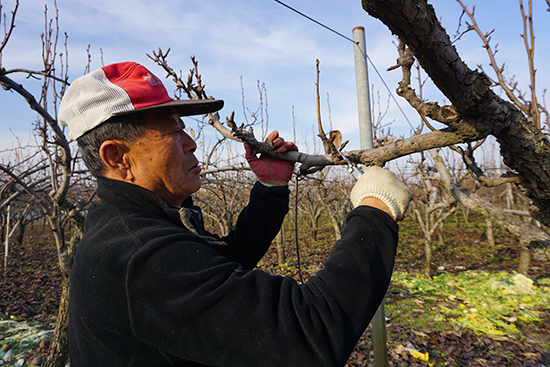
pixel 246 41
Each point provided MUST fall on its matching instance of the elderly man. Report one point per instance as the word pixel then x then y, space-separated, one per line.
pixel 151 287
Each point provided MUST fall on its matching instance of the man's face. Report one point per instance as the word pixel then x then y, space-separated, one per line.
pixel 162 158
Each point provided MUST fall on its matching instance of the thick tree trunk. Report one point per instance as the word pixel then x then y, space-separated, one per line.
pixel 524 148
pixel 20 233
pixel 524 260
pixel 3 231
pixel 509 197
pixel 314 227
pixel 489 232
pixel 224 229
pixel 455 215
pixel 58 353
pixel 337 230
pixel 428 255
pixel 466 214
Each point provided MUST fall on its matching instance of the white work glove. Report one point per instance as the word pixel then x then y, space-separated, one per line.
pixel 382 184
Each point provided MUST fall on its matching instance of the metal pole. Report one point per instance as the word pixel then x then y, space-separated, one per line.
pixel 365 131
pixel 362 80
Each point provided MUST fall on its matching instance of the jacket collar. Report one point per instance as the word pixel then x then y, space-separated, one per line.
pixel 121 193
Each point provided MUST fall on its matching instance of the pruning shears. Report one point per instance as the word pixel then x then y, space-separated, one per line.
pixel 352 168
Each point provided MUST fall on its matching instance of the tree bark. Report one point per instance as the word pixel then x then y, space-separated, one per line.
pixel 20 232
pixel 524 259
pixel 280 240
pixel 58 353
pixel 337 230
pixel 489 232
pixel 314 220
pixel 428 254
pixel 524 148
pixel 465 214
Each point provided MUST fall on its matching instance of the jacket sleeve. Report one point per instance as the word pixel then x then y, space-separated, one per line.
pixel 191 303
pixel 257 225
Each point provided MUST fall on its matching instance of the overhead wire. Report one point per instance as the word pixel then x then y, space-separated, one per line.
pixel 314 21
pixel 383 81
pixel 356 43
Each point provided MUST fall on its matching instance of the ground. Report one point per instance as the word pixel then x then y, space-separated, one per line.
pixel 30 288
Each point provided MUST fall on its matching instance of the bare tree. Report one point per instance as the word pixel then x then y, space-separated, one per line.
pixel 476 110
pixel 310 205
pixel 527 233
pixel 333 194
pixel 431 205
pixel 56 166
pixel 222 198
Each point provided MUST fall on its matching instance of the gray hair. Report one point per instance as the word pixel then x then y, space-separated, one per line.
pixel 126 128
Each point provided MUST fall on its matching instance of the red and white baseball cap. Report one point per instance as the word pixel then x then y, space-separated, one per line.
pixel 120 89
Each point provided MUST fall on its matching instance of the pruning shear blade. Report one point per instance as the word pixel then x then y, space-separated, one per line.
pixel 353 169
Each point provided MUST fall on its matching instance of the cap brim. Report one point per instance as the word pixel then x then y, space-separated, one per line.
pixel 188 107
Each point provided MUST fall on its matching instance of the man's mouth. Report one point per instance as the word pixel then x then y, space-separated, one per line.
pixel 196 167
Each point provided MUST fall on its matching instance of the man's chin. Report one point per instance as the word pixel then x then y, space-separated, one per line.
pixel 195 186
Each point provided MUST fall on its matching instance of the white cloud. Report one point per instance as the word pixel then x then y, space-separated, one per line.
pixel 253 39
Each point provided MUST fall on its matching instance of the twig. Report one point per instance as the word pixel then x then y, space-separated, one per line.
pixel 478 174
pixel 485 38
pixel 530 48
pixel 7 34
pixel 319 123
pixel 225 169
pixel 447 115
pixel 328 142
pixel 26 188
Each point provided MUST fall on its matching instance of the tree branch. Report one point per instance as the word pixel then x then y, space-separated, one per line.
pixel 476 172
pixel 10 29
pixel 525 232
pixel 524 148
pixel 30 73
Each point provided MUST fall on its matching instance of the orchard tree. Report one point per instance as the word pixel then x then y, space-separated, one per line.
pixel 46 180
pixel 432 203
pixel 476 110
pixel 529 235
pixel 222 197
pixel 310 205
pixel 333 193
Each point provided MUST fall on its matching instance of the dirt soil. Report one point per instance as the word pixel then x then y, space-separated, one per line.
pixel 30 289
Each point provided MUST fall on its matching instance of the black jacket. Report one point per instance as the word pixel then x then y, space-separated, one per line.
pixel 147 291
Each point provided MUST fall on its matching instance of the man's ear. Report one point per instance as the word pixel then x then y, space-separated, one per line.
pixel 114 153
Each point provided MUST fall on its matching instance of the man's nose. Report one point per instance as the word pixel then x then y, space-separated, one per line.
pixel 189 145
